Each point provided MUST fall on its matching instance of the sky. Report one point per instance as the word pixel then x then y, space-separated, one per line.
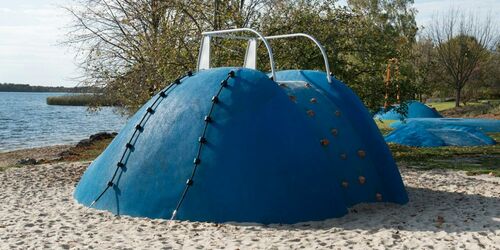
pixel 31 32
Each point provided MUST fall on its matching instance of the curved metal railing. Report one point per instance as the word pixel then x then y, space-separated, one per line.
pixel 251 53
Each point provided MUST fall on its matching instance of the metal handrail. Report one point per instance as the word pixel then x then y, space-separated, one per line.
pixel 204 59
pixel 321 48
pixel 259 35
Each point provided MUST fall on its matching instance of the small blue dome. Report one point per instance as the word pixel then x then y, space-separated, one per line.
pixel 246 150
pixel 415 110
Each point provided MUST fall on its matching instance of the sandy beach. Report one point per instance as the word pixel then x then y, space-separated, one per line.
pixel 446 210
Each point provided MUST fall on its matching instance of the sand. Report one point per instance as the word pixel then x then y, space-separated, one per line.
pixel 446 210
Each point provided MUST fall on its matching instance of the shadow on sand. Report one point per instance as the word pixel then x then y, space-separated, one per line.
pixel 428 210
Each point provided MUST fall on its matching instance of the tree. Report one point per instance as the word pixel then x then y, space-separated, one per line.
pixel 131 49
pixel 424 68
pixel 462 46
pixel 359 39
pixel 134 48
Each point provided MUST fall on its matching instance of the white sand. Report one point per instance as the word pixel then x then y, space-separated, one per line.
pixel 446 210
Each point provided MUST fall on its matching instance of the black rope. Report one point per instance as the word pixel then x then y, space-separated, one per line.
pixel 202 140
pixel 129 146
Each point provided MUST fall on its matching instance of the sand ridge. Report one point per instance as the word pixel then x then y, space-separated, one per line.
pixel 447 210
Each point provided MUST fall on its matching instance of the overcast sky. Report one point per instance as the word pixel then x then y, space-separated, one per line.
pixel 30 31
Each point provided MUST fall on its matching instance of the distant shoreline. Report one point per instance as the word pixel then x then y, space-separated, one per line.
pixel 11 87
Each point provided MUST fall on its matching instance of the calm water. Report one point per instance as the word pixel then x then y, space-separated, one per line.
pixel 27 121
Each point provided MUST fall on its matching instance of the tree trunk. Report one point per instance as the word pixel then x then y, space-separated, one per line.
pixel 457 97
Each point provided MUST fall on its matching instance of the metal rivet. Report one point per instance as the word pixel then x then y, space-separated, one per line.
pixel 343 156
pixel 215 99
pixel 189 182
pixel 196 161
pixel 307 85
pixel 162 94
pixel 334 131
pixel 120 165
pixel 310 113
pixel 361 153
pixel 362 179
pixel 313 100
pixel 293 98
pixel 345 184
pixel 223 83
pixel 202 139
pixel 378 196
pixel 337 113
pixel 324 142
pixel 150 110
pixel 110 184
pixel 208 119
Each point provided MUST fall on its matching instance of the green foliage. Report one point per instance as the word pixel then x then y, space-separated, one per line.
pixel 135 48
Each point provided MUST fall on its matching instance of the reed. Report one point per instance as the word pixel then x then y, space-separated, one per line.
pixel 75 100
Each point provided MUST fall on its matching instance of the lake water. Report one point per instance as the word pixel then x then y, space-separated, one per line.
pixel 27 121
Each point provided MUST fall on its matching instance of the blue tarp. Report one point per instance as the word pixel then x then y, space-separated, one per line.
pixel 422 135
pixel 484 125
pixel 256 150
pixel 415 110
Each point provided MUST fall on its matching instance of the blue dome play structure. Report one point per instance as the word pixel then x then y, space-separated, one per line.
pixel 236 144
pixel 419 135
pixel 415 110
pixel 484 125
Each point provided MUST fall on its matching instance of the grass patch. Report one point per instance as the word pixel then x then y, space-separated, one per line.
pixel 440 106
pixel 87 153
pixel 384 126
pixel 473 160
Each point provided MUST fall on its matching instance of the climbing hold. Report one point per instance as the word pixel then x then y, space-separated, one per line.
pixel 307 85
pixel 293 98
pixel 231 73
pixel 361 153
pixel 334 131
pixel 378 196
pixel 190 73
pixel 110 184
pixel 150 110
pixel 310 113
pixel 362 179
pixel 177 81
pixel 324 142
pixel 138 127
pixel 313 100
pixel 120 165
pixel 128 145
pixel 162 94
pixel 215 99
pixel 345 184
